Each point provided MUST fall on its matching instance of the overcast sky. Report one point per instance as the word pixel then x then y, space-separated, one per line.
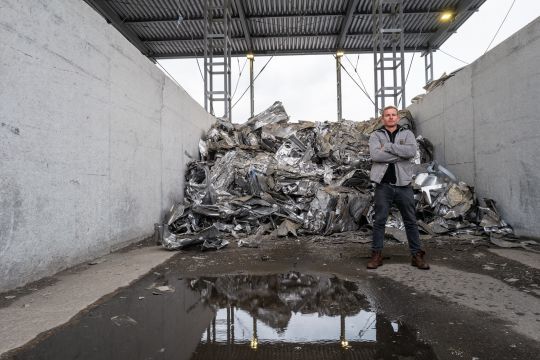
pixel 307 84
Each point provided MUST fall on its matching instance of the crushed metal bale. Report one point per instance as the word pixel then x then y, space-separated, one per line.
pixel 271 176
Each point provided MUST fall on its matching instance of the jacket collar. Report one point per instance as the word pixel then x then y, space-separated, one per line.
pixel 399 128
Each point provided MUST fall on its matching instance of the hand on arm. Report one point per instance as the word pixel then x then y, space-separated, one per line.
pixel 376 150
pixel 404 151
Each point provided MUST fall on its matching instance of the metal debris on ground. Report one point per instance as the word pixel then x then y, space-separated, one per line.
pixel 164 288
pixel 268 177
pixel 123 320
pixel 449 206
pixel 508 242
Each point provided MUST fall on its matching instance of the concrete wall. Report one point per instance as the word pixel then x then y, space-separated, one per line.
pixel 93 139
pixel 484 123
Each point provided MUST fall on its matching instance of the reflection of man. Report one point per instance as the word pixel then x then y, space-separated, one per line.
pixel 400 343
pixel 391 148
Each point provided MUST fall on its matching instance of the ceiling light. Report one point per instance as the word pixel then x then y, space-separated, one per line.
pixel 340 53
pixel 446 16
pixel 250 56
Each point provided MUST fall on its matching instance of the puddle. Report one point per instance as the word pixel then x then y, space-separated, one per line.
pixel 291 315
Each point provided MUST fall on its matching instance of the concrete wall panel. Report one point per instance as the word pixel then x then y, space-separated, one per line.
pixel 92 139
pixel 488 123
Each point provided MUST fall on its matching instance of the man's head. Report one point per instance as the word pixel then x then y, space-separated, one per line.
pixel 390 117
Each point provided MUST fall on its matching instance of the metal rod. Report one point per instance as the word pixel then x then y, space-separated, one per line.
pixel 381 54
pixel 228 324
pixel 375 72
pixel 232 323
pixel 394 53
pixel 214 329
pixel 429 66
pixel 402 62
pixel 342 327
pixel 251 88
pixel 225 57
pixel 206 55
pixel 229 53
pixel 338 84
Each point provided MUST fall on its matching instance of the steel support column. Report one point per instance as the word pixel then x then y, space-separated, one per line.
pixel 217 55
pixel 342 333
pixel 388 53
pixel 429 66
pixel 251 59
pixel 228 324
pixel 254 339
pixel 338 84
pixel 232 323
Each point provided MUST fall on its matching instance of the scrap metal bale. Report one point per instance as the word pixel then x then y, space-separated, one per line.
pixel 274 114
pixel 490 220
pixel 336 209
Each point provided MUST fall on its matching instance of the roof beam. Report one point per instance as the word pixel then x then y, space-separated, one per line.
pixel 289 52
pixel 112 17
pixel 346 24
pixel 279 36
pixel 284 16
pixel 242 16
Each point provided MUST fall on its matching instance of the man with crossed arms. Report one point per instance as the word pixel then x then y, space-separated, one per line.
pixel 392 149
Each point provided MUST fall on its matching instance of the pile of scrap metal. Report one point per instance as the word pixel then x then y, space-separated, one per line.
pixel 447 205
pixel 270 176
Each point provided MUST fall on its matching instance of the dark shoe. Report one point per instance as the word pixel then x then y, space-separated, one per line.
pixel 418 260
pixel 376 260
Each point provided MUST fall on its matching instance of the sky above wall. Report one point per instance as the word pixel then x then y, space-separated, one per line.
pixel 306 85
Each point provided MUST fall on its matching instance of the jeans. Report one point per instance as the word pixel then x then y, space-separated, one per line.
pixel 403 197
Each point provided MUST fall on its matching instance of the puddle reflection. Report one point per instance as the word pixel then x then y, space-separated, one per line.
pixel 289 313
pixel 283 316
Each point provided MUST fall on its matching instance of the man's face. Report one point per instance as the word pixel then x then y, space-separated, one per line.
pixel 390 118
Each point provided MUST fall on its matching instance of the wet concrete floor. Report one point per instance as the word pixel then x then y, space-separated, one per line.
pixel 310 299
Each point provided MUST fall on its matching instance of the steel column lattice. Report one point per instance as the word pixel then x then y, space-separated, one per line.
pixel 429 66
pixel 251 87
pixel 388 53
pixel 217 55
pixel 338 85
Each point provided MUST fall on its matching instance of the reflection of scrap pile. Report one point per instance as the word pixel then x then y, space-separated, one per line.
pixel 273 298
pixel 271 176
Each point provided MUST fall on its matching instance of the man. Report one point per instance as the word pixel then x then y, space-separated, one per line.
pixel 392 148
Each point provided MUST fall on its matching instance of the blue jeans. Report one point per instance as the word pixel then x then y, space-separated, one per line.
pixel 403 197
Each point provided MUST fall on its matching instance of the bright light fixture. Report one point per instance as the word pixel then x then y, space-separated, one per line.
pixel 340 53
pixel 250 56
pixel 447 16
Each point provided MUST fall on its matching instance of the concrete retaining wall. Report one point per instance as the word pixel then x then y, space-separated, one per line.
pixel 484 123
pixel 93 139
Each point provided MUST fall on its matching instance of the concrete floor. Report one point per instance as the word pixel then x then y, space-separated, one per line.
pixel 476 301
pixel 44 307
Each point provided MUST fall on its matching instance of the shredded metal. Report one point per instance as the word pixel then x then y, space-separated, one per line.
pixel 270 176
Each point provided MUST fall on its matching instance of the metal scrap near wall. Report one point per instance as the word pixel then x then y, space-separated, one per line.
pixel 271 176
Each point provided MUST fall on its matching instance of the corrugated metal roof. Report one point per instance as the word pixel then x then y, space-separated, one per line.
pixel 277 27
